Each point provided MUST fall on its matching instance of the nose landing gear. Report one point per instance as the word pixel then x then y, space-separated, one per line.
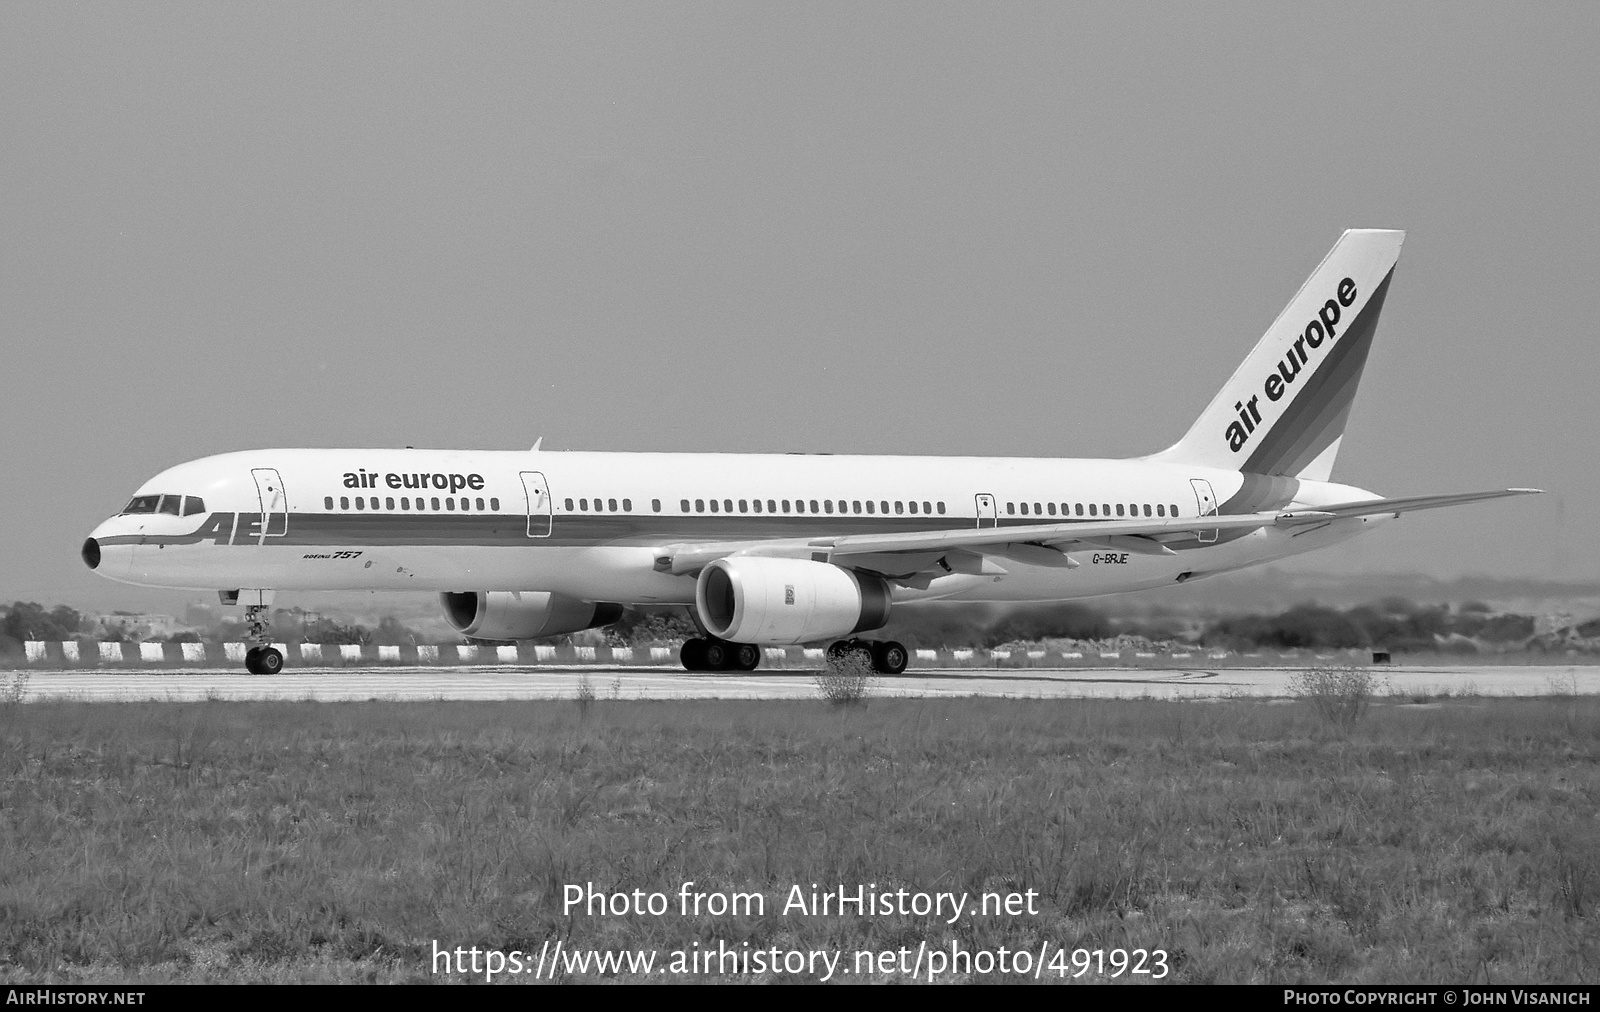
pixel 263 658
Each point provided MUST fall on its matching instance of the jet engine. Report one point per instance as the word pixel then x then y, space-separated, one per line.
pixel 750 599
pixel 522 615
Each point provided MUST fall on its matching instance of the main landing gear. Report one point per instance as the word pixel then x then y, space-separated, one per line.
pixel 261 659
pixel 712 654
pixel 886 657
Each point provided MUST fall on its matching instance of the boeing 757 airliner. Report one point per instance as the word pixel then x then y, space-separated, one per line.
pixel 783 548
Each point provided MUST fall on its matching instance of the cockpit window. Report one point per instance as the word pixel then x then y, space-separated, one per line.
pixel 173 505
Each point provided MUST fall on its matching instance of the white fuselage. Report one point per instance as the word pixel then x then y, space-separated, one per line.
pixel 589 525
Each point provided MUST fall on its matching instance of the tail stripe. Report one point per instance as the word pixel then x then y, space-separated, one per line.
pixel 1315 418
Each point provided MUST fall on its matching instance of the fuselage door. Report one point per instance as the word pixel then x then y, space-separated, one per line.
pixel 274 503
pixel 540 507
pixel 1207 501
pixel 988 512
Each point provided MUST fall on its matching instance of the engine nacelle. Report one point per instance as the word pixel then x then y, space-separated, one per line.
pixel 750 599
pixel 522 615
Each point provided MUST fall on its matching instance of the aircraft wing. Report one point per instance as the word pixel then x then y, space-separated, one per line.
pixel 1041 544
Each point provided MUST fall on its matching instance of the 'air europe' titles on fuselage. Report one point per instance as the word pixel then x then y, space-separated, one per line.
pixel 1321 328
pixel 363 478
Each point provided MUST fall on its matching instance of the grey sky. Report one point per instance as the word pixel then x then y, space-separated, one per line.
pixel 1030 229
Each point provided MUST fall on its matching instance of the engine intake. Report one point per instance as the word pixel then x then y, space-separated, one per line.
pixel 522 615
pixel 749 599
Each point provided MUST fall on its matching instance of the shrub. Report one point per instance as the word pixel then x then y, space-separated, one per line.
pixel 847 679
pixel 1339 694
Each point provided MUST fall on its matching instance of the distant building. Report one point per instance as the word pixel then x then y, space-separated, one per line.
pixel 136 625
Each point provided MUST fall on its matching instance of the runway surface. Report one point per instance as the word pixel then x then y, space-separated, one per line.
pixel 634 682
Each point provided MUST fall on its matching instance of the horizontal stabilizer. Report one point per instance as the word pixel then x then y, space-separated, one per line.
pixel 1403 504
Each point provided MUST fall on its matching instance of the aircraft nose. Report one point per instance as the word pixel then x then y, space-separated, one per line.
pixel 91 553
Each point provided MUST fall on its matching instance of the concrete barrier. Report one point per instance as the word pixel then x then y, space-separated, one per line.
pixel 467 653
pixel 349 651
pixel 506 653
pixel 662 655
pixel 311 652
pixel 110 651
pixel 622 655
pixel 544 653
pixel 69 651
pixel 775 655
pixel 816 654
pixel 584 653
pixel 35 649
pixel 152 653
pixel 928 655
pixel 233 652
pixel 427 653
pixel 389 653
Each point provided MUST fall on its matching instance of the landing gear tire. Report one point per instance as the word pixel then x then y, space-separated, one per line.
pixel 717 655
pixel 263 661
pixel 889 657
pixel 693 654
pixel 746 657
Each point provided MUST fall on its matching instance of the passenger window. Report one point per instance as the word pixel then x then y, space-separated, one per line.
pixel 422 504
pixel 479 504
pixel 1037 511
pixel 899 507
pixel 143 504
pixel 569 505
pixel 327 503
pixel 941 508
pixel 435 502
pixel 744 506
pixel 1011 507
pixel 1051 507
pixel 361 503
pixel 1119 509
pixel 1161 509
pixel 627 505
pixel 857 508
pixel 772 506
pixel 655 505
pixel 799 505
pixel 1092 511
pixel 405 502
pixel 450 503
pixel 913 505
pixel 1079 510
pixel 869 506
pixel 1105 508
pixel 344 502
pixel 172 504
pixel 388 503
pixel 814 506
pixel 583 504
pixel 884 505
pixel 713 506
pixel 827 505
pixel 1146 509
pixel 727 505
pixel 1174 509
pixel 699 505
pixel 611 504
pixel 494 504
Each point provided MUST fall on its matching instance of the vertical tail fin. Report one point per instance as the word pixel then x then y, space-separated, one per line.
pixel 1284 409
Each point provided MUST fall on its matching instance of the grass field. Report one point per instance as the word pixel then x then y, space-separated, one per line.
pixel 1458 841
